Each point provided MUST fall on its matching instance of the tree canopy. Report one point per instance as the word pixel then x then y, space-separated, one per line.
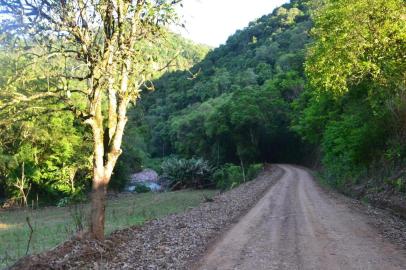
pixel 354 103
pixel 355 41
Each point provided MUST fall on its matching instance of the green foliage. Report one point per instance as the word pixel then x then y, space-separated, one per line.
pixel 54 147
pixel 140 188
pixel 72 200
pixel 235 105
pixel 400 185
pixel 229 175
pixel 358 40
pixel 254 170
pixel 54 155
pixel 187 173
pixel 182 54
pixel 349 144
pixel 353 106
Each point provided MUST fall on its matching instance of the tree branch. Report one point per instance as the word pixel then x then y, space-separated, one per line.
pixel 22 98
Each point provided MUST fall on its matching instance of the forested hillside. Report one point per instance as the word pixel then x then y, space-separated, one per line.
pixel 281 90
pixel 235 105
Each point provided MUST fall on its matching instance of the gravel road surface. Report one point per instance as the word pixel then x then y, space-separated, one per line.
pixel 297 225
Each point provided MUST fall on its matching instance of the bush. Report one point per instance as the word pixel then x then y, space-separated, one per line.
pixel 187 173
pixel 76 198
pixel 350 144
pixel 230 175
pixel 154 164
pixel 140 188
pixel 121 176
pixel 254 170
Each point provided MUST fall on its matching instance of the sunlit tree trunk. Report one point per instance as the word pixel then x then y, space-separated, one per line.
pixel 107 149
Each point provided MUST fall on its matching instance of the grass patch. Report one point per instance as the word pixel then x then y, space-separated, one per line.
pixel 53 225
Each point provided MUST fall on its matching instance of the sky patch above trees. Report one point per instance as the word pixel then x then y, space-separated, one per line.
pixel 211 22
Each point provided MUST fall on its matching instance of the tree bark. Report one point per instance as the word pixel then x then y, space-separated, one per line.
pixel 106 155
pixel 100 181
pixel 243 169
pixel 100 178
pixel 99 191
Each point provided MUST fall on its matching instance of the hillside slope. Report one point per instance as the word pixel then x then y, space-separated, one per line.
pixel 235 105
pixel 250 100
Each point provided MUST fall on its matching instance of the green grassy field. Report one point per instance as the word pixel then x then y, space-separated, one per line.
pixel 52 225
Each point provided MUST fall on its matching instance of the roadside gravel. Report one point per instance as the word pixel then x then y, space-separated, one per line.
pixel 172 242
pixel 390 224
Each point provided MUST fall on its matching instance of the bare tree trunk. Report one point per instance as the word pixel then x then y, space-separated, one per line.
pixel 243 170
pixel 106 155
pixel 21 185
pixel 99 191
pixel 72 174
pixel 100 179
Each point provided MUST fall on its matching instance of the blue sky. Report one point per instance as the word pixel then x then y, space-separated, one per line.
pixel 212 21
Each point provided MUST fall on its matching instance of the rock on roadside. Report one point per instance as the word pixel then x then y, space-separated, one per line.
pixel 168 243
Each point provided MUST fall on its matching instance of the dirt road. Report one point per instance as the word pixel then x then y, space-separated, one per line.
pixel 296 225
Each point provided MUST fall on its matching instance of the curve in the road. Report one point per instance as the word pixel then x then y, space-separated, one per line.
pixel 296 225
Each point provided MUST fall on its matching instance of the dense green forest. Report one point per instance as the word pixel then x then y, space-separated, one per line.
pixel 317 83
pixel 234 106
pixel 52 152
pixel 353 108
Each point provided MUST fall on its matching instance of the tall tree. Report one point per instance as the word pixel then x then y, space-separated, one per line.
pixel 357 80
pixel 93 65
pixel 356 41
